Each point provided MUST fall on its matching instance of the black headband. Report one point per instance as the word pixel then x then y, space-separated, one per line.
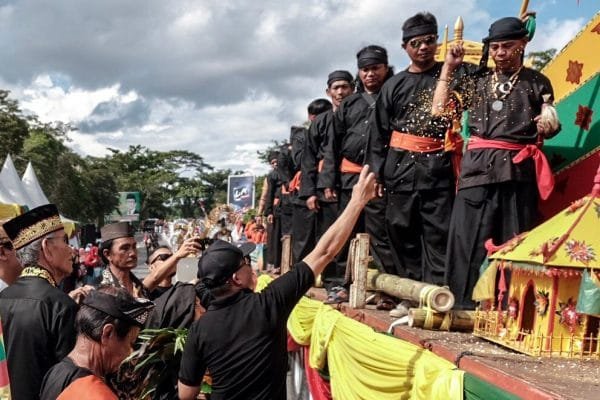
pixel 339 76
pixel 419 30
pixel 135 312
pixel 371 57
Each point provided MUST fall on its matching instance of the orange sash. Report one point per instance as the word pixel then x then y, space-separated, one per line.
pixel 295 182
pixel 348 167
pixel 452 142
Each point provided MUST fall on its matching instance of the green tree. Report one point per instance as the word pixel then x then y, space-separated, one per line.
pixel 14 127
pixel 274 146
pixel 539 59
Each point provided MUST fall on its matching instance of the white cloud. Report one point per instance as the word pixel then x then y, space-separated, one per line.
pixel 555 34
pixel 221 78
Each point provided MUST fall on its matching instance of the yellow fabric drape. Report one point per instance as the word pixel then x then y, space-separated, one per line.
pixel 366 365
pixel 8 211
pixel 486 284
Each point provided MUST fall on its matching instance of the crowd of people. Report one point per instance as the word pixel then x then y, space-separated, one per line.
pixel 382 157
pixel 436 207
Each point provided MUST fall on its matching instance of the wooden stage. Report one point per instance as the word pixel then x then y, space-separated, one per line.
pixel 522 375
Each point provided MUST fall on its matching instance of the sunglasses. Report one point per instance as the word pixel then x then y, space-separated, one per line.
pixel 161 257
pixel 427 40
pixel 7 244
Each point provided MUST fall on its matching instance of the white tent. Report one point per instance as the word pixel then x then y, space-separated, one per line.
pixel 12 183
pixel 33 188
pixel 5 197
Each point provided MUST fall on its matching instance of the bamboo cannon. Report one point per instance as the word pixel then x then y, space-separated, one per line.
pixel 451 321
pixel 286 254
pixel 438 298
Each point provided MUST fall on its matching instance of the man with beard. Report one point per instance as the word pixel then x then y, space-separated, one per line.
pixel 510 114
pixel 418 171
pixel 353 145
pixel 318 188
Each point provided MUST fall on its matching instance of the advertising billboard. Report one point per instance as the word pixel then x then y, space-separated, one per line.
pixel 240 191
pixel 130 205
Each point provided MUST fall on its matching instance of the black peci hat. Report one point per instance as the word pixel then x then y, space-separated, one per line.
pixel 33 225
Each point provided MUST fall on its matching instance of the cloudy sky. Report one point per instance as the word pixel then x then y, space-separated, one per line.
pixel 217 77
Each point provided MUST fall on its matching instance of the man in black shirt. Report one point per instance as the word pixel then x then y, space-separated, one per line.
pixel 303 218
pixel 318 187
pixel 353 148
pixel 241 339
pixel 37 317
pixel 272 210
pixel 418 171
pixel 497 195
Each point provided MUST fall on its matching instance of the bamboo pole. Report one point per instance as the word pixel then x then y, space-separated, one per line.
pixel 286 253
pixel 440 298
pixel 459 320
pixel 360 266
pixel 523 10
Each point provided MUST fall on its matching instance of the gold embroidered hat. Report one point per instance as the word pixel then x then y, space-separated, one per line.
pixel 33 225
pixel 115 231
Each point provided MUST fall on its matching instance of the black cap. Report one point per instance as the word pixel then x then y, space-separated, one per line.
pixel 134 311
pixel 339 75
pixel 220 260
pixel 508 28
pixel 371 55
pixel 115 231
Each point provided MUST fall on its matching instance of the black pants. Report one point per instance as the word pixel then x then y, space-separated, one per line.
pixel 303 232
pixel 274 241
pixel 495 211
pixel 417 223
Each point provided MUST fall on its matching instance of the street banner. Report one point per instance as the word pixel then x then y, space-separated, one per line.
pixel 240 191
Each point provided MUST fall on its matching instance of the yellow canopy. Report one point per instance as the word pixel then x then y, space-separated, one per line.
pixel 569 239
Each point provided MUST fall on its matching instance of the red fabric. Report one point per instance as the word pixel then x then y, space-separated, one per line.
pixel 414 143
pixel 501 287
pixel 545 179
pixel 89 387
pixel 92 259
pixel 320 389
pixel 249 231
pixel 348 167
pixel 292 346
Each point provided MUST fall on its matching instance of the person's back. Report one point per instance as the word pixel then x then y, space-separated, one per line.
pixel 248 359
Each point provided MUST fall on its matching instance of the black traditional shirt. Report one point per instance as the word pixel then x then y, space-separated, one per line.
pixel 352 135
pixel 242 340
pixel 59 377
pixel 38 321
pixel 318 147
pixel 514 123
pixel 404 105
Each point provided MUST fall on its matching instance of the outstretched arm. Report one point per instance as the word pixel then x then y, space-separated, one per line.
pixel 336 236
pixel 454 58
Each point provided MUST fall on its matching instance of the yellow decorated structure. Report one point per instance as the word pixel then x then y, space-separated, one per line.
pixel 553 295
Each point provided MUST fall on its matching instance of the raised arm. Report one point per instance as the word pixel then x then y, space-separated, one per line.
pixel 169 266
pixel 336 236
pixel 454 58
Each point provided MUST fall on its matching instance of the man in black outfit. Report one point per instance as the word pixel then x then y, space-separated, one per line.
pixel 303 218
pixel 353 148
pixel 37 317
pixel 241 339
pixel 418 170
pixel 497 194
pixel 318 188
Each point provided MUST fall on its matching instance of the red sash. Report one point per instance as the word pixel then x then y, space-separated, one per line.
pixel 543 172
